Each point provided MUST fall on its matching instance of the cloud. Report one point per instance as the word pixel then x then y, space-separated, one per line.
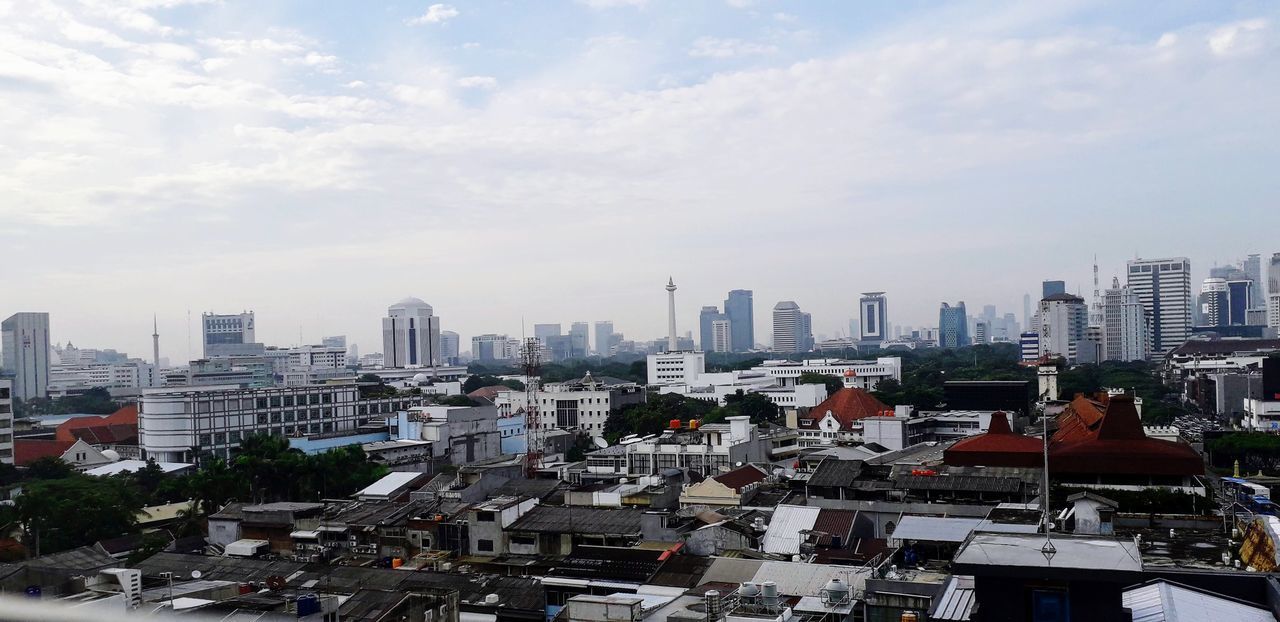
pixel 613 4
pixel 785 17
pixel 712 47
pixel 478 82
pixel 436 14
pixel 1239 38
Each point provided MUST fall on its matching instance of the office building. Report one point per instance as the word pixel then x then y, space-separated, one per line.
pixel 872 317
pixel 788 327
pixel 411 335
pixel 1063 318
pixel 450 347
pixel 582 404
pixel 1239 301
pixel 1052 288
pixel 806 332
pixel 25 340
pixel 1212 306
pixel 721 335
pixel 6 421
pixel 179 425
pixel 1026 309
pixel 1124 325
pixel 604 338
pixel 73 379
pixel 740 309
pixel 1253 270
pixel 1164 287
pixel 228 335
pixel 579 339
pixel 488 347
pixel 981 331
pixel 543 332
pixel 1029 345
pixel 706 317
pixel 335 341
pixel 953 326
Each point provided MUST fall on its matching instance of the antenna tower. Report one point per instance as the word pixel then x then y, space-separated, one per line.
pixel 1095 314
pixel 531 356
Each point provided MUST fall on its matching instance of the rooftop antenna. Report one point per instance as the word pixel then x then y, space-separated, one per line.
pixel 532 359
pixel 188 334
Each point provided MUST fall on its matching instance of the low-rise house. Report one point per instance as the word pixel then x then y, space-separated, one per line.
pixel 488 525
pixel 730 489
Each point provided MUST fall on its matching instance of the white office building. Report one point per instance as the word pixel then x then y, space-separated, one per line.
pixel 489 347
pixel 177 425
pixel 707 450
pixel 788 327
pixel 6 421
pixel 1124 325
pixel 322 357
pixel 721 336
pixel 225 335
pixel 24 338
pixel 1164 288
pixel 675 367
pixel 1063 319
pixel 411 335
pixel 133 374
pixel 865 374
pixel 581 405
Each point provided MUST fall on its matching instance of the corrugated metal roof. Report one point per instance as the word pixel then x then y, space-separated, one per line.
pixel 835 472
pixel 1017 550
pixel 568 519
pixel 934 529
pixel 783 535
pixel 956 602
pixel 1163 601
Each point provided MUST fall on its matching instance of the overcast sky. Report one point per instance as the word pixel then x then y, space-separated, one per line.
pixel 551 162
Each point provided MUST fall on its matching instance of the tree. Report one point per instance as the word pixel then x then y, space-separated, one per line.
pixel 61 514
pixel 456 400
pixel 473 383
pixel 833 383
pixel 512 383
pixel 755 405
pixel 49 467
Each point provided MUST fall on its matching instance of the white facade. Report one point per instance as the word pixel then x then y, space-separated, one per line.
pixel 1273 310
pixel 411 335
pixel 572 405
pixel 1262 415
pixel 1063 319
pixel 135 374
pixel 675 367
pixel 788 327
pixel 227 334
pixel 177 425
pixel 721 336
pixel 708 450
pixel 320 357
pixel 489 347
pixel 1164 288
pixel 872 317
pixel 716 387
pixel 1124 324
pixel 6 421
pixel 866 374
pixel 24 337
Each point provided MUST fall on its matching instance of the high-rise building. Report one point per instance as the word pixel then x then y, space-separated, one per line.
pixel 411 335
pixel 1164 287
pixel 1063 319
pixel 6 421
pixel 872 316
pixel 450 347
pixel 1212 307
pixel 788 327
pixel 604 337
pixel 545 331
pixel 1239 301
pixel 488 347
pixel 739 307
pixel 25 339
pixel 1125 334
pixel 1026 310
pixel 229 335
pixel 1253 269
pixel 1052 288
pixel 721 335
pixel 707 318
pixel 1273 291
pixel 1029 344
pixel 579 336
pixel 806 332
pixel 953 326
pixel 981 331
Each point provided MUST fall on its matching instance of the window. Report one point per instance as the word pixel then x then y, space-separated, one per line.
pixel 288 400
pixel 484 545
pixel 262 418
pixel 275 402
pixel 262 402
pixel 525 540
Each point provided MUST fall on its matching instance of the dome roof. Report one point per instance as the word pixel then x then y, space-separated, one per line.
pixel 410 303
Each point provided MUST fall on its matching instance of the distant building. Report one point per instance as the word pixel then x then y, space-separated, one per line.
pixel 25 339
pixel 981 331
pixel 708 450
pixel 1253 269
pixel 488 347
pixel 873 317
pixel 579 340
pixel 1052 288
pixel 6 421
pixel 1164 288
pixel 953 326
pixel 669 367
pixel 582 405
pixel 1125 334
pixel 604 338
pixel 740 309
pixel 1063 318
pixel 228 335
pixel 707 317
pixel 450 347
pixel 1029 344
pixel 411 335
pixel 722 335
pixel 335 341
pixel 133 374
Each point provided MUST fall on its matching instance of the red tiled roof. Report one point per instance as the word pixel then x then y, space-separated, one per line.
pixel 489 393
pixel 741 477
pixel 998 447
pixel 846 405
pixel 115 434
pixel 26 451
pixel 1079 421
pixel 127 415
pixel 1118 446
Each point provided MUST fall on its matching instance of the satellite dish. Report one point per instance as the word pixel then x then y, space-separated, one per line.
pixel 196 574
pixel 600 442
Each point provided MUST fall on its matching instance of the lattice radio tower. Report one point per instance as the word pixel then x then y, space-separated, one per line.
pixel 531 355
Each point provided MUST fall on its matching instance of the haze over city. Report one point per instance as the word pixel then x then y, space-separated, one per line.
pixel 557 162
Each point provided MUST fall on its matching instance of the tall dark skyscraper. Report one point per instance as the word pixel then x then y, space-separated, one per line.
pixel 740 309
pixel 1051 288
pixel 706 327
pixel 953 326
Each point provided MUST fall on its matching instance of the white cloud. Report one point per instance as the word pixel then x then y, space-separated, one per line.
pixel 613 4
pixel 785 17
pixel 712 47
pixel 1238 38
pixel 478 82
pixel 436 14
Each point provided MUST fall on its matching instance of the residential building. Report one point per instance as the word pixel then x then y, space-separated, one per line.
pixel 489 347
pixel 706 332
pixel 450 347
pixel 953 326
pixel 1125 335
pixel 604 338
pixel 230 334
pixel 25 340
pixel 873 319
pixel 411 335
pixel 458 434
pixel 6 421
pixel 788 327
pixel 582 405
pixel 1164 288
pixel 178 425
pixel 721 335
pixel 1052 288
pixel 579 340
pixel 707 450
pixel 740 308
pixel 1063 319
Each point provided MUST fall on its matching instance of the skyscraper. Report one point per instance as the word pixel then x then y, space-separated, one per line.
pixel 1063 319
pixel 953 326
pixel 1273 292
pixel 410 335
pixel 1124 324
pixel 450 347
pixel 1212 307
pixel 721 334
pixel 25 338
pixel 579 334
pixel 1051 288
pixel 546 331
pixel 806 332
pixel 873 318
pixel 739 307
pixel 1164 287
pixel 604 337
pixel 788 327
pixel 981 331
pixel 1253 268
pixel 228 335
pixel 1026 310
pixel 707 319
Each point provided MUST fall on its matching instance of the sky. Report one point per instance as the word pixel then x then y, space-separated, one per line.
pixel 514 163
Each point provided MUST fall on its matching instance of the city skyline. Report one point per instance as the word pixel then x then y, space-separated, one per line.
pixel 220 157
